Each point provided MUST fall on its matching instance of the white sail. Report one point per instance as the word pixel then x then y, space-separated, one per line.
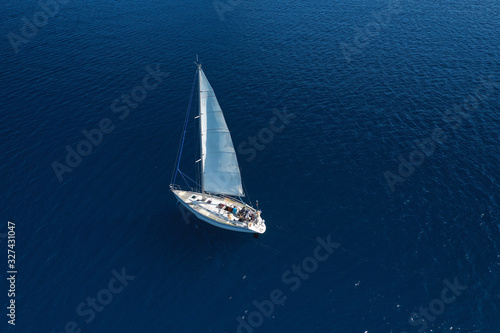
pixel 220 172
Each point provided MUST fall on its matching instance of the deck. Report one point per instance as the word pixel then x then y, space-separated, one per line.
pixel 213 209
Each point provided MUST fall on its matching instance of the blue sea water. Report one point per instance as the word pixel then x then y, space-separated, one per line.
pixel 361 80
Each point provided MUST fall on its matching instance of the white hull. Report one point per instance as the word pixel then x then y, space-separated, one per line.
pixel 208 210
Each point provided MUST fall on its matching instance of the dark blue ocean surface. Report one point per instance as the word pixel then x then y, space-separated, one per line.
pixel 379 182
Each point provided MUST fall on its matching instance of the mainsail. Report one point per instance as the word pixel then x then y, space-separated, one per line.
pixel 220 172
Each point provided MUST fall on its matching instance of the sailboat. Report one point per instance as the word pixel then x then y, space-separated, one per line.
pixel 218 199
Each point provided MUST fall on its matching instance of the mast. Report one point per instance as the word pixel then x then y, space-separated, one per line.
pixel 201 139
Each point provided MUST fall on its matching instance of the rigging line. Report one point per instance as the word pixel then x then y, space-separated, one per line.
pixel 183 135
pixel 182 173
pixel 185 180
pixel 245 190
